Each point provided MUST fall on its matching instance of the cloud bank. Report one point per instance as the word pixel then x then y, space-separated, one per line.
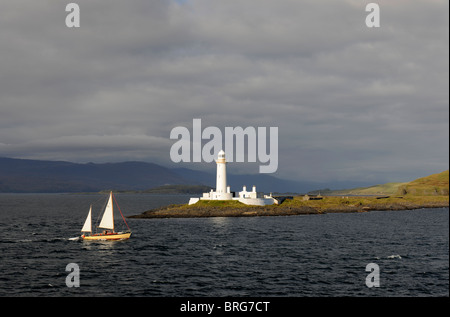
pixel 351 102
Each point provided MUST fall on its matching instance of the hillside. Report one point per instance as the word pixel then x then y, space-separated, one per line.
pixel 436 184
pixel 384 189
pixel 432 185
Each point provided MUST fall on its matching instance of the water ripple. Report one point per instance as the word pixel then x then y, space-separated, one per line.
pixel 262 256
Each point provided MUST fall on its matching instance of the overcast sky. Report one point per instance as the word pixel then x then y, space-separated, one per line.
pixel 350 102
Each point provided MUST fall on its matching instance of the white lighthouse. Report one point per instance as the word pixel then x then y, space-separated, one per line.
pixel 221 178
pixel 223 191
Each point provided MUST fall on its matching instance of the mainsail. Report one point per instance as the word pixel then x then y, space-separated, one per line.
pixel 88 223
pixel 108 216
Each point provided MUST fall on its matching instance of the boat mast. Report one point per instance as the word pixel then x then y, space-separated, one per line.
pixel 112 209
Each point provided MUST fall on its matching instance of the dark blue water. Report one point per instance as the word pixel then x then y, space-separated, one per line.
pixel 311 255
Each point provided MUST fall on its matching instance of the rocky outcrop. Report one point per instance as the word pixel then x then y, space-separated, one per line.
pixel 236 210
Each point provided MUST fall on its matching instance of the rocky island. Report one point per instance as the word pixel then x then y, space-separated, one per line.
pixel 427 192
pixel 296 206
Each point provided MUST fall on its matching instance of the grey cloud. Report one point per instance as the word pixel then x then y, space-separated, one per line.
pixel 350 102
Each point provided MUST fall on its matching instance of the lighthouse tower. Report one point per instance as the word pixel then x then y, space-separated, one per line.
pixel 222 191
pixel 221 178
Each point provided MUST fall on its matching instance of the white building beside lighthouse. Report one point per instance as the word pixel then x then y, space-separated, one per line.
pixel 223 192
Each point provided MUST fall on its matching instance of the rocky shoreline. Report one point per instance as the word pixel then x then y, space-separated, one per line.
pixel 205 210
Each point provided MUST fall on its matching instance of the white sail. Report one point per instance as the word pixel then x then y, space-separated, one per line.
pixel 88 223
pixel 108 216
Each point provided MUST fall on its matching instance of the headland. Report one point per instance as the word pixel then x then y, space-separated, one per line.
pixel 427 192
pixel 297 205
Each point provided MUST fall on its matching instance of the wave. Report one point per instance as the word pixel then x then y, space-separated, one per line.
pixel 48 240
pixel 394 256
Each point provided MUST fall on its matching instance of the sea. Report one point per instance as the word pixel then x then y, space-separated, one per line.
pixel 372 254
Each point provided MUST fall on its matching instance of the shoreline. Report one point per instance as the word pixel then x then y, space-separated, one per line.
pixel 291 208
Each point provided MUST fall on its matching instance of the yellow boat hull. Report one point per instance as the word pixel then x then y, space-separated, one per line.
pixel 109 236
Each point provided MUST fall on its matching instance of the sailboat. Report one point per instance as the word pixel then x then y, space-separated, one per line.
pixel 106 223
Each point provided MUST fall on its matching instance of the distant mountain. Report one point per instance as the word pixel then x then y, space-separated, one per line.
pixel 26 176
pixel 37 176
pixel 18 175
pixel 178 189
pixel 263 182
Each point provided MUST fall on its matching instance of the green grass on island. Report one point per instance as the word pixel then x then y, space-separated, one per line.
pixel 427 192
pixel 436 184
